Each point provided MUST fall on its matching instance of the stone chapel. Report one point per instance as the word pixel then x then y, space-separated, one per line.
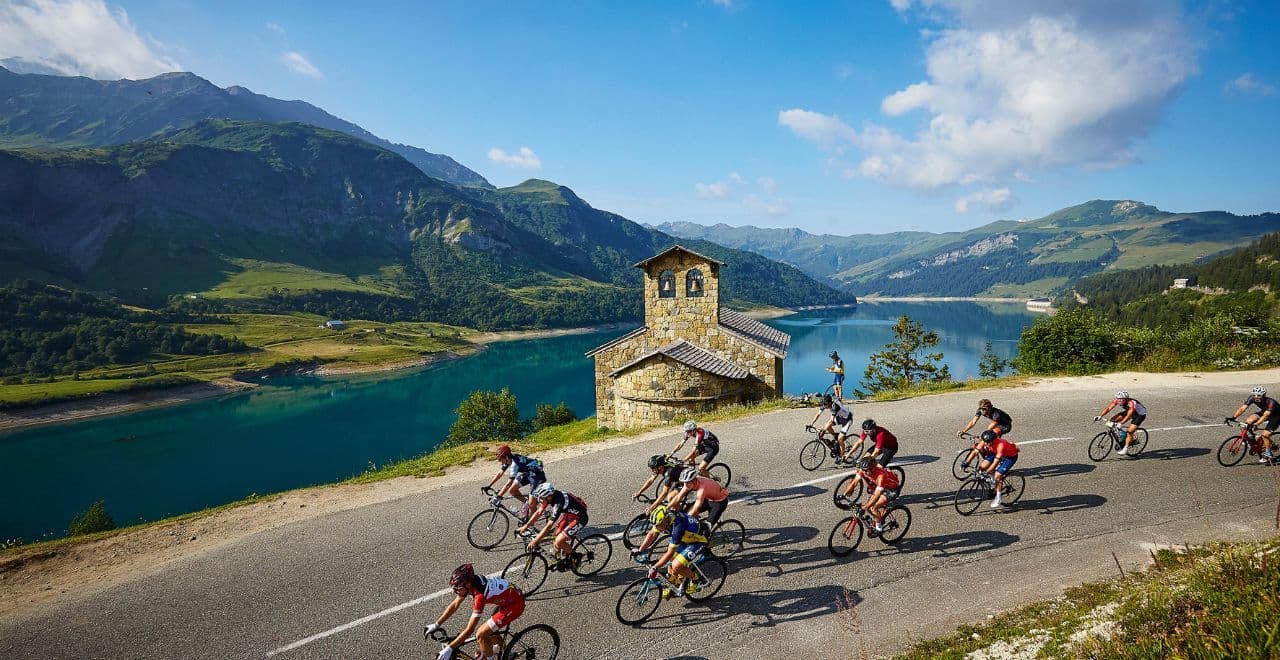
pixel 691 355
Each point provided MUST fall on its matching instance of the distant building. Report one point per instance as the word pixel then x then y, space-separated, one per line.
pixel 1181 282
pixel 1040 304
pixel 334 324
pixel 692 355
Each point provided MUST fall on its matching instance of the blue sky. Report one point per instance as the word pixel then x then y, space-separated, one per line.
pixel 839 117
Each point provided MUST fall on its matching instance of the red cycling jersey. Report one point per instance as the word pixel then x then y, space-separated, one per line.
pixel 1010 449
pixel 883 439
pixel 497 592
pixel 888 480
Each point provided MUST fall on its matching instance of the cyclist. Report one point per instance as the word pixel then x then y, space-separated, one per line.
pixel 840 423
pixel 1268 414
pixel 685 547
pixel 706 444
pixel 567 512
pixel 667 469
pixel 1000 424
pixel 882 488
pixel 884 444
pixel 837 368
pixel 710 495
pixel 521 471
pixel 485 591
pixel 1131 416
pixel 998 455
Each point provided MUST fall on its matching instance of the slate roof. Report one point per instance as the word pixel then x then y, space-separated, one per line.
pixel 610 344
pixel 642 264
pixel 738 324
pixel 692 356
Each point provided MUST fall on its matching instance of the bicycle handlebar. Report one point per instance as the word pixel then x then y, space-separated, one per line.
pixel 643 498
pixel 487 490
pixel 438 635
pixel 967 436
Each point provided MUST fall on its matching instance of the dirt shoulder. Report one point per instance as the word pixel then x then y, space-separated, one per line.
pixel 116 404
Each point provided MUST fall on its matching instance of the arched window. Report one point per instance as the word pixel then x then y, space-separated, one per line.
pixel 694 284
pixel 667 284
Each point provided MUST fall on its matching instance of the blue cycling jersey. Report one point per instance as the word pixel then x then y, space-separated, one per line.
pixel 685 531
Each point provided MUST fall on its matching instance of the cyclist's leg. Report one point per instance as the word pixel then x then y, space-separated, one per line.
pixel 487 634
pixel 848 491
pixel 715 510
pixel 887 455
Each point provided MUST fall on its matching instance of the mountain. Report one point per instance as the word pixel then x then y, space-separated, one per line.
pixel 62 111
pixel 1005 258
pixel 273 216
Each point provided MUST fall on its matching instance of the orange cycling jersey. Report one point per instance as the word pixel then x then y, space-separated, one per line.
pixel 710 489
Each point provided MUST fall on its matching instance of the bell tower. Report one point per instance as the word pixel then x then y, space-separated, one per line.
pixel 681 292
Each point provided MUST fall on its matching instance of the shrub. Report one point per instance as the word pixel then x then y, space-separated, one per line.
pixel 991 365
pixel 1071 341
pixel 903 364
pixel 486 417
pixel 548 415
pixel 93 519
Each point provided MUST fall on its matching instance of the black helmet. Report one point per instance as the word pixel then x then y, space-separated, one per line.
pixel 866 462
pixel 868 424
pixel 988 436
pixel 656 461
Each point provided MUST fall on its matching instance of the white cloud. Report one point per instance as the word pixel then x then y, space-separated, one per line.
pixel 770 207
pixel 767 184
pixel 717 189
pixel 275 27
pixel 299 64
pixel 524 158
pixel 1016 87
pixel 78 37
pixel 995 200
pixel 1247 83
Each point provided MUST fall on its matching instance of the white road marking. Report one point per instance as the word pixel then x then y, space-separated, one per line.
pixel 612 537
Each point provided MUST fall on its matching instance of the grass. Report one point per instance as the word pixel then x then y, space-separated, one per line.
pixel 257 279
pixel 67 389
pixel 1216 600
pixel 924 389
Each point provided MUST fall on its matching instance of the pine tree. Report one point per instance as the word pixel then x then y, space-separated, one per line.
pixel 904 363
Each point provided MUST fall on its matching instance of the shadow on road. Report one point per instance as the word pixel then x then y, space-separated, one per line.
pixel 760 539
pixel 908 461
pixel 766 607
pixel 1060 504
pixel 1172 453
pixel 766 496
pixel 952 545
pixel 1059 470
pixel 933 500
pixel 784 562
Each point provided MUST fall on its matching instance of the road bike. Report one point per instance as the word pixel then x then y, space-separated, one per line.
pixel 1233 449
pixel 640 599
pixel 726 539
pixel 814 453
pixel 529 570
pixel 1113 438
pixel 537 642
pixel 489 527
pixel 982 487
pixel 718 472
pixel 846 502
pixel 961 469
pixel 848 533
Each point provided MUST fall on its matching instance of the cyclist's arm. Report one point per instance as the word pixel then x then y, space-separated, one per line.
pixel 683 439
pixel 533 517
pixel 472 624
pixel 1240 411
pixel 815 418
pixel 647 482
pixel 496 477
pixel 970 424
pixel 662 496
pixel 697 503
pixel 1129 412
pixel 666 557
pixel 546 529
pixel 1266 414
pixel 450 609
pixel 676 497
pixel 508 487
pixel 995 461
pixel 1107 409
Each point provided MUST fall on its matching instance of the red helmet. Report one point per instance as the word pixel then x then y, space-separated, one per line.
pixel 463 576
pixel 504 453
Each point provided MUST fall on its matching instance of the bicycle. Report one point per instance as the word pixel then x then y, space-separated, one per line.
pixel 814 453
pixel 847 533
pixel 982 487
pixel 1231 451
pixel 727 538
pixel 640 599
pixel 960 468
pixel 1113 438
pixel 718 472
pixel 529 570
pixel 846 502
pixel 537 641
pixel 489 527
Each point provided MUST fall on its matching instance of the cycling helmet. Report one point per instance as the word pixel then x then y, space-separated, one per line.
pixel 688 474
pixel 1122 395
pixel 463 576
pixel 868 424
pixel 1258 391
pixel 689 426
pixel 833 355
pixel 988 436
pixel 544 490
pixel 866 462
pixel 656 461
pixel 659 516
pixel 504 453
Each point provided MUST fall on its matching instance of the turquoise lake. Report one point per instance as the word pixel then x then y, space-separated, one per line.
pixel 302 431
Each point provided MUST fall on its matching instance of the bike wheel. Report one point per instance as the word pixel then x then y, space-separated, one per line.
pixel 902 477
pixel 842 501
pixel 813 454
pixel 897 520
pixel 636 530
pixel 596 551
pixel 845 537
pixel 971 495
pixel 488 529
pixel 956 470
pixel 1139 443
pixel 538 641
pixel 527 572
pixel 1014 485
pixel 727 538
pixel 720 473
pixel 1100 446
pixel 638 601
pixel 1231 451
pixel 712 572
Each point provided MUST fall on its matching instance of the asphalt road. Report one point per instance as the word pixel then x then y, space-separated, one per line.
pixel 362 583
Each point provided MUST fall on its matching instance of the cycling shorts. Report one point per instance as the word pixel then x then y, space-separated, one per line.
pixel 571 524
pixel 707 450
pixel 530 478
pixel 889 495
pixel 1006 463
pixel 839 380
pixel 715 510
pixel 689 554
pixel 886 455
pixel 1273 423
pixel 503 616
pixel 843 429
pixel 1136 420
pixel 1003 429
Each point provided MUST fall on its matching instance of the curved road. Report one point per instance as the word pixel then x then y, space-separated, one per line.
pixel 361 583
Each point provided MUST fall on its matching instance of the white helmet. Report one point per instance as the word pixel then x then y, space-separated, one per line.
pixel 1259 391
pixel 688 474
pixel 690 425
pixel 543 490
pixel 1122 394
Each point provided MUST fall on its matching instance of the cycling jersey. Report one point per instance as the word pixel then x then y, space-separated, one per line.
pixel 705 437
pixel 711 489
pixel 497 592
pixel 1135 405
pixel 672 476
pixel 841 413
pixel 883 439
pixel 1010 449
pixel 1265 404
pixel 708 445
pixel 888 479
pixel 998 416
pixel 685 531
pixel 523 464
pixel 562 503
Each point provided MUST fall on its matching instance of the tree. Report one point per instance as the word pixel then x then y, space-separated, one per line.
pixel 548 415
pixel 93 519
pixel 486 417
pixel 991 365
pixel 1071 341
pixel 903 363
